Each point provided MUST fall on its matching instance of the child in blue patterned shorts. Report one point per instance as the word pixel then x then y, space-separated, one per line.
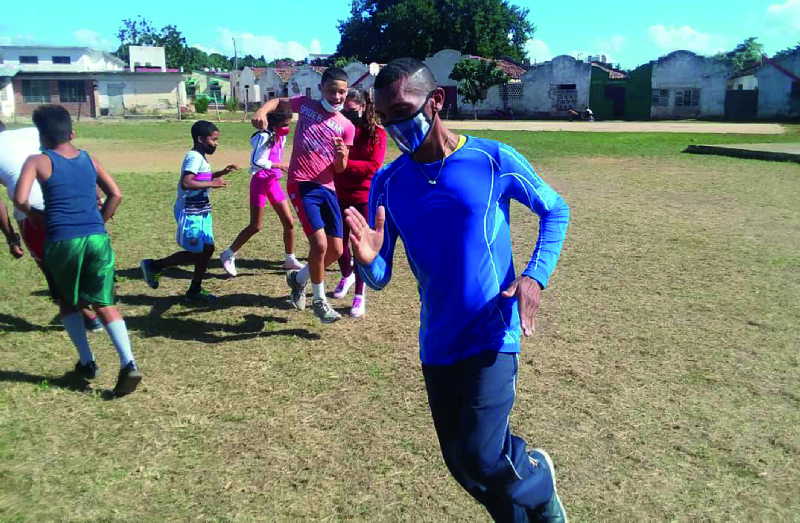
pixel 192 209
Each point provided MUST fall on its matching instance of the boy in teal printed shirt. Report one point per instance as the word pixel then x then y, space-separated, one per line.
pixel 195 233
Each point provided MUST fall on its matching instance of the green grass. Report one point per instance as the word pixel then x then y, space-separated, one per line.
pixel 662 378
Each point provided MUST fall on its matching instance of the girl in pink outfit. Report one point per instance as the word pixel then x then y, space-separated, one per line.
pixel 267 168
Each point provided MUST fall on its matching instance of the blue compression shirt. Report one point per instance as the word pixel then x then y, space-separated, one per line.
pixel 458 243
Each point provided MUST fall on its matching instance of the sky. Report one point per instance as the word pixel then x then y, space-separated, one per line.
pixel 627 33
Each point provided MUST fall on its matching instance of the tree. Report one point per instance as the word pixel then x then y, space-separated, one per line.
pixel 219 62
pixel 342 61
pixel 380 30
pixel 140 31
pixel 195 59
pixel 174 45
pixel 788 51
pixel 475 77
pixel 743 56
pixel 134 32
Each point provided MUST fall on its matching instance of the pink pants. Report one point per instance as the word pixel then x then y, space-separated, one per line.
pixel 265 186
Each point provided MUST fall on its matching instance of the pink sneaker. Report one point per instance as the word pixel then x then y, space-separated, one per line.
pixel 359 307
pixel 344 285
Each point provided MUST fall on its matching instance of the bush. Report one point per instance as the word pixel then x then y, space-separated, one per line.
pixel 201 104
pixel 232 104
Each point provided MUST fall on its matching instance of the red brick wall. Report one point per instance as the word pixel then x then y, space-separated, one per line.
pixel 87 108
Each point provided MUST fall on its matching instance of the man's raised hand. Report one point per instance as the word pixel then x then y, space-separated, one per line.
pixel 366 242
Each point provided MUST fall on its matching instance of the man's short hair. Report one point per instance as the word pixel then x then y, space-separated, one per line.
pixel 202 128
pixel 54 124
pixel 419 76
pixel 334 74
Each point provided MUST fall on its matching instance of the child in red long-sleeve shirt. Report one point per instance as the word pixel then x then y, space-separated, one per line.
pixel 352 185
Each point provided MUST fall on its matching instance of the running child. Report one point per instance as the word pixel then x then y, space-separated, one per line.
pixel 266 168
pixel 77 253
pixel 320 149
pixel 352 186
pixel 15 147
pixel 195 233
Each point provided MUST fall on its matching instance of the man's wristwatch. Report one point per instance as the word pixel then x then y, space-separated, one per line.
pixel 13 240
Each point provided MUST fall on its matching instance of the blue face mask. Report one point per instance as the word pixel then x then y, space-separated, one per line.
pixel 410 134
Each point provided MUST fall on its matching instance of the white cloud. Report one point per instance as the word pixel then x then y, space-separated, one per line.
pixel 614 44
pixel 538 50
pixel 18 40
pixel 92 39
pixel 786 14
pixel 267 45
pixel 671 38
pixel 207 50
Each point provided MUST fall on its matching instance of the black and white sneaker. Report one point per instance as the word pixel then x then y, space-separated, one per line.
pixel 297 293
pixel 324 311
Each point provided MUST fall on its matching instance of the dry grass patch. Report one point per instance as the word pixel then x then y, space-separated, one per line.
pixel 663 376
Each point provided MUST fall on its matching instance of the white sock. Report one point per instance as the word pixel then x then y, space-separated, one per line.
pixel 290 257
pixel 303 275
pixel 319 290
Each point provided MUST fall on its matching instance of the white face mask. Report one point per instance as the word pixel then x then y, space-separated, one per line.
pixel 331 108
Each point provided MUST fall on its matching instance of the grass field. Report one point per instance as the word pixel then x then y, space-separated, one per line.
pixel 663 376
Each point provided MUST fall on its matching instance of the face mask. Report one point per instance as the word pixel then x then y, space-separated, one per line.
pixel 282 131
pixel 352 115
pixel 207 149
pixel 331 108
pixel 410 134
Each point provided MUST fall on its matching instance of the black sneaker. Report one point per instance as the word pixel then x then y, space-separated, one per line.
pixel 128 379
pixel 149 275
pixel 93 324
pixel 89 371
pixel 201 296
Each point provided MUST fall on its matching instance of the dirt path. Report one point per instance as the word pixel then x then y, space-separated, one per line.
pixel 620 127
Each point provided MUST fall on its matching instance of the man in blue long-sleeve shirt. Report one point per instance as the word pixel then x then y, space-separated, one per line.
pixel 448 198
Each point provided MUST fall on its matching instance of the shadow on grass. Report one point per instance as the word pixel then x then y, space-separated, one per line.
pixel 14 324
pixel 180 326
pixel 68 381
pixel 176 273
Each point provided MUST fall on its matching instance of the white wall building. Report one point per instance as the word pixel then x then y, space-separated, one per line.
pixel 441 65
pixel 271 84
pixel 126 93
pixel 7 91
pixel 779 87
pixel 87 82
pixel 552 88
pixel 305 82
pixel 147 56
pixel 686 85
pixel 31 58
pixel 245 84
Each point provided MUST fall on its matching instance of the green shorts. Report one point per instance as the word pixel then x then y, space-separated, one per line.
pixel 82 269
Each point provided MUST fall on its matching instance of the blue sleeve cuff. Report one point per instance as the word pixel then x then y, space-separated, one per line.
pixel 538 275
pixel 373 274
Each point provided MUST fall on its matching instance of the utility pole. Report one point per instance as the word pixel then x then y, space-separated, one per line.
pixel 235 58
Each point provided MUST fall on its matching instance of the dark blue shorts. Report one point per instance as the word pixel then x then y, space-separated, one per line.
pixel 322 208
